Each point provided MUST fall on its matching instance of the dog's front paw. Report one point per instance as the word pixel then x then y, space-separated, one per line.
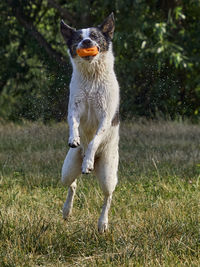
pixel 74 141
pixel 87 166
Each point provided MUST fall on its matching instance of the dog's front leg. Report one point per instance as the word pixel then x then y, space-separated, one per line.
pixel 88 161
pixel 74 114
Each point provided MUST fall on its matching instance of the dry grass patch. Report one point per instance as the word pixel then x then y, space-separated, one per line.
pixel 154 219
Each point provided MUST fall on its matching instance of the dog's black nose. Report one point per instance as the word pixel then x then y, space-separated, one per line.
pixel 86 42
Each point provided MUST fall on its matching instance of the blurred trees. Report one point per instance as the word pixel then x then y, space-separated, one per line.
pixel 156 45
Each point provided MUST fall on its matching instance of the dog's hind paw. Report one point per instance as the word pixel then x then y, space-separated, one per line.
pixel 74 142
pixel 102 227
pixel 67 211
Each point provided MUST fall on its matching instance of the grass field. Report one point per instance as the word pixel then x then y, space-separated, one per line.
pixel 154 218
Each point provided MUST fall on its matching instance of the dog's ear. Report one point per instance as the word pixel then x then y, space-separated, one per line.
pixel 108 26
pixel 66 30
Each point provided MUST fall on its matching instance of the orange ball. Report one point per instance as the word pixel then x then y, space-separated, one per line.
pixel 85 52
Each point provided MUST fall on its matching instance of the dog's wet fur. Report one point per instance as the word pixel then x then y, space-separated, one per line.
pixel 93 114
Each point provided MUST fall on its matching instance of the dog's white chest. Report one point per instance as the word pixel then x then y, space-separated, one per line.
pixel 93 104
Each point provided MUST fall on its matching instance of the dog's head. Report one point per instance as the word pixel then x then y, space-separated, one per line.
pixel 99 36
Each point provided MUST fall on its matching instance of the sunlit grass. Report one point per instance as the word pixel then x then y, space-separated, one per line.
pixel 154 218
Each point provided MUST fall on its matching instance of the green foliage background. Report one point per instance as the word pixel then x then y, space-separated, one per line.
pixel 156 45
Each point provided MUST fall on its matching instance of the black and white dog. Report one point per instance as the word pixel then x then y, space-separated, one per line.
pixel 93 114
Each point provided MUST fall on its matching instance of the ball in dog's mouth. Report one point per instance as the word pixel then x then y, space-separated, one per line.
pixel 88 52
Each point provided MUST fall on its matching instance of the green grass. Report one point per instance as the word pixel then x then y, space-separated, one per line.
pixel 154 218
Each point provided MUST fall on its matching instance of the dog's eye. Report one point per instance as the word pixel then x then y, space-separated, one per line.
pixel 79 38
pixel 93 35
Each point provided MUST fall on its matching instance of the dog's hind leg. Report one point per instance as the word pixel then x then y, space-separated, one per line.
pixel 68 205
pixel 106 169
pixel 70 171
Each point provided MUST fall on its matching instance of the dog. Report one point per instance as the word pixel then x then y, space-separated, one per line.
pixel 93 114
